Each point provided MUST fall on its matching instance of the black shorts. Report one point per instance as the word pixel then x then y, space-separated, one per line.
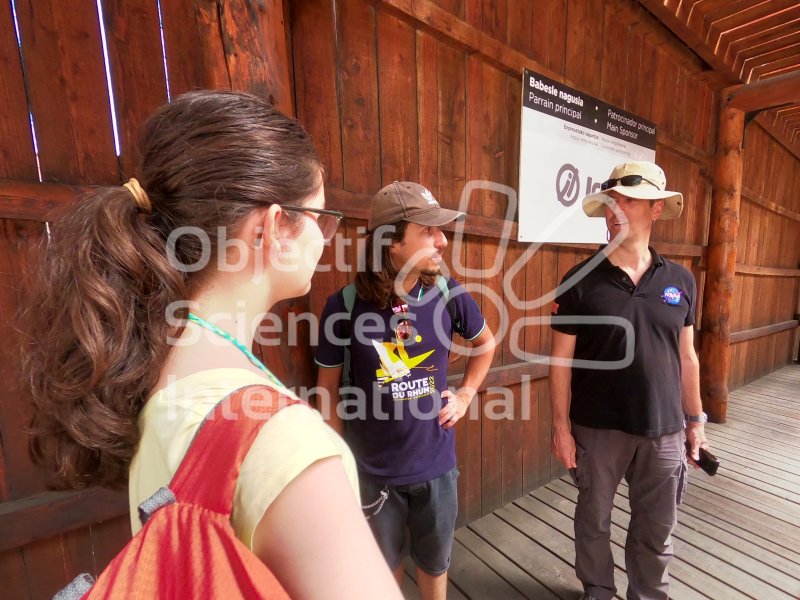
pixel 429 510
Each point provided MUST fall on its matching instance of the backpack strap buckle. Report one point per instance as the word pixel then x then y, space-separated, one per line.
pixel 160 499
pixel 76 588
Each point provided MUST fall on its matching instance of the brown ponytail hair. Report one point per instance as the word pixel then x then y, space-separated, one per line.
pixel 97 324
pixel 376 283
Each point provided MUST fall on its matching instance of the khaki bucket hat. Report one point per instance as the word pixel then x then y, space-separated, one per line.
pixel 641 180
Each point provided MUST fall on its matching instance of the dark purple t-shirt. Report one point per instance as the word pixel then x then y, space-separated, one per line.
pixel 394 400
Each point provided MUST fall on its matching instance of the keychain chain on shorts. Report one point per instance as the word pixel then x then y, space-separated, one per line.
pixel 379 503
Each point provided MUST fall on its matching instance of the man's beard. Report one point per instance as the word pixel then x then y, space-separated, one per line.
pixel 432 272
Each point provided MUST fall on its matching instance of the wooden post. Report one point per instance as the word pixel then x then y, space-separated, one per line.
pixel 721 263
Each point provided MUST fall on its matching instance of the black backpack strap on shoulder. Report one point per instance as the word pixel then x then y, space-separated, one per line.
pixel 444 289
pixel 348 293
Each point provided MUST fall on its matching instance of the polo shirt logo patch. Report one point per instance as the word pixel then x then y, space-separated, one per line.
pixel 671 295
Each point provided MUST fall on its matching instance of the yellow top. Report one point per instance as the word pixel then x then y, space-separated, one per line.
pixel 285 446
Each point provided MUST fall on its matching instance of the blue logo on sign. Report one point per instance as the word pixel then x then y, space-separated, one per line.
pixel 671 295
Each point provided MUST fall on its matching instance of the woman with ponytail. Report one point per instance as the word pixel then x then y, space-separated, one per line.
pixel 149 298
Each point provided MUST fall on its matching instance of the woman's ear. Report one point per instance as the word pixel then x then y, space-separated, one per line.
pixel 262 228
pixel 270 225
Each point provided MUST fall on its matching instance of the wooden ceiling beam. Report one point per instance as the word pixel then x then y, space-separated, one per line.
pixel 766 41
pixel 765 94
pixel 770 66
pixel 752 16
pixel 775 72
pixel 776 21
pixel 692 38
pixel 713 12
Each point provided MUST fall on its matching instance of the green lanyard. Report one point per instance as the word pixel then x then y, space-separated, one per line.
pixel 227 336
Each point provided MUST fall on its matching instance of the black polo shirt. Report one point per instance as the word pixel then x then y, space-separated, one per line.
pixel 630 337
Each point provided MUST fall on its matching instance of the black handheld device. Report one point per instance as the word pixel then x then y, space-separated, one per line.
pixel 708 462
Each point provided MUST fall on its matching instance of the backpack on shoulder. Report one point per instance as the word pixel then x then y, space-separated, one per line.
pixel 187 547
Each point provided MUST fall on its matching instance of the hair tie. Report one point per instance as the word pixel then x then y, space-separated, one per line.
pixel 139 195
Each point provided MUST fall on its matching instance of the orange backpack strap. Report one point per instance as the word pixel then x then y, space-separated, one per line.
pixel 207 474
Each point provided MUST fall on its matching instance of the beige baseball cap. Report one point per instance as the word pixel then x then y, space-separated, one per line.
pixel 409 201
pixel 638 179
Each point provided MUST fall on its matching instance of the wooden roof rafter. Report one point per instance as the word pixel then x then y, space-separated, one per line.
pixel 753 43
pixel 763 43
pixel 776 67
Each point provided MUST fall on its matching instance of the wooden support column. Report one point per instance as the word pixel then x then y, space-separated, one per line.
pixel 721 263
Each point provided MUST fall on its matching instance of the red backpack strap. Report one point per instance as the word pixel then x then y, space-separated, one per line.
pixel 207 474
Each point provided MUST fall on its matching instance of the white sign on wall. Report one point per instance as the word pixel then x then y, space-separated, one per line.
pixel 569 143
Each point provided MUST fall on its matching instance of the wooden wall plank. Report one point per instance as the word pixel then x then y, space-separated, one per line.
pixel 633 64
pixel 641 96
pixel 549 34
pixel 530 390
pixel 484 130
pixel 358 95
pixel 137 70
pixel 615 69
pixel 316 97
pixel 254 40
pixel 397 90
pixel 495 19
pixel 520 26
pixel 428 112
pixel 43 516
pixel 12 574
pixel 63 58
pixel 212 48
pixel 77 554
pixel 551 277
pixel 514 440
pixel 763 331
pixel 451 128
pixel 185 70
pixel 44 568
pixel 108 538
pixel 17 241
pixel 456 8
pixel 17 157
pixel 473 13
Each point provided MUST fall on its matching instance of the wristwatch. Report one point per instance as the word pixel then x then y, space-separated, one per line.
pixel 701 418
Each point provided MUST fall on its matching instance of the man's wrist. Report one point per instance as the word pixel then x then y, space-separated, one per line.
pixel 466 393
pixel 561 425
pixel 702 418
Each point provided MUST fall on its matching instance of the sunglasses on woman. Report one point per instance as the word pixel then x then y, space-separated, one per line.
pixel 327 220
pixel 627 181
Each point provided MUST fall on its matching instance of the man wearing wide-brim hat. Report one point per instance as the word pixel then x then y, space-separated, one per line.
pixel 629 406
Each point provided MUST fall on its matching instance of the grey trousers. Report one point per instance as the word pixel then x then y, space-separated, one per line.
pixel 655 469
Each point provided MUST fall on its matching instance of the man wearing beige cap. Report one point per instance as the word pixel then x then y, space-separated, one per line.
pixel 625 393
pixel 390 333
